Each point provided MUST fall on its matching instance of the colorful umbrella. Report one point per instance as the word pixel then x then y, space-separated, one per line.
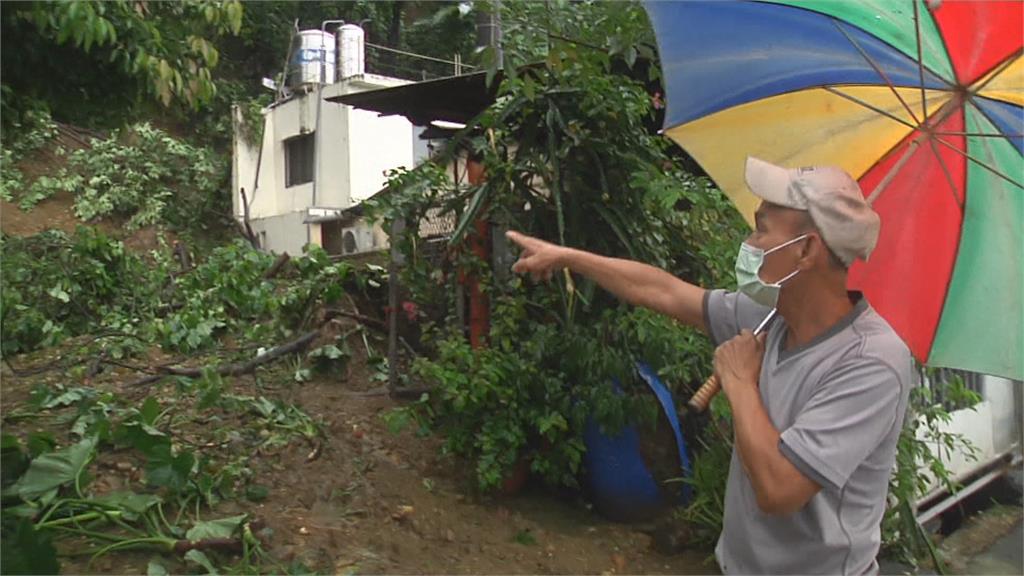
pixel 922 102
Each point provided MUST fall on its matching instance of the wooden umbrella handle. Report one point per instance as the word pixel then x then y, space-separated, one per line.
pixel 702 397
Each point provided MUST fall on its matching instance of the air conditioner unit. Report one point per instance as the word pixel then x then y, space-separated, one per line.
pixel 356 240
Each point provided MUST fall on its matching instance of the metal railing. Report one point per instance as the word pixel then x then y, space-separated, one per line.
pixel 396 63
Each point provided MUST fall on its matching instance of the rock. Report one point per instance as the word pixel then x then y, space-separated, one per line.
pixel 619 562
pixel 403 512
pixel 449 535
pixel 124 466
pixel 285 553
pixel 671 538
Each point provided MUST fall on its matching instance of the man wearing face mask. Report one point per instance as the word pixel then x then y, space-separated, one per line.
pixel 818 398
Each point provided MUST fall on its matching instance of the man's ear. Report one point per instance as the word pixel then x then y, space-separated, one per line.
pixel 811 250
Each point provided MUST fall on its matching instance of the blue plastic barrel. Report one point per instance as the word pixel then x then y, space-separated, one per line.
pixel 621 484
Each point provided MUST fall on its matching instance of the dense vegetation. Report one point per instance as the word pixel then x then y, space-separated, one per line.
pixel 571 155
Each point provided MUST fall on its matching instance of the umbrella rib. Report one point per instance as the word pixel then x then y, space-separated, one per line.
pixel 871 107
pixel 971 98
pixel 879 71
pixel 980 163
pixel 920 59
pixel 891 175
pixel 945 170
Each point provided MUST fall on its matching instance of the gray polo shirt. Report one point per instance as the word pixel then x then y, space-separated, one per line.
pixel 838 403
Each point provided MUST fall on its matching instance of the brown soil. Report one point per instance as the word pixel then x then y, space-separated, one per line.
pixel 977 534
pixel 369 501
pixel 58 211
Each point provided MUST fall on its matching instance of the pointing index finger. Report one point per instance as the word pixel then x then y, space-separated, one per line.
pixel 521 240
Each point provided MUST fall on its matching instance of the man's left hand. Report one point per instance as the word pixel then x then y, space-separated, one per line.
pixel 738 362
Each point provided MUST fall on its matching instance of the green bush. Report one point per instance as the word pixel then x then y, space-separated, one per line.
pixel 570 156
pixel 26 132
pixel 144 175
pixel 56 285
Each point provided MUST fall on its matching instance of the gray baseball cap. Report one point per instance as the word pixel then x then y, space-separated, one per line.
pixel 848 224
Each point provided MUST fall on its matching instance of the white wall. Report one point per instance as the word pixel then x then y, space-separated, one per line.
pixel 243 163
pixel 378 145
pixel 284 233
pixel 993 427
pixel 1005 397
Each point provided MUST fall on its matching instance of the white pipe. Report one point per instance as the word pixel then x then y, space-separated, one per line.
pixel 975 485
pixel 319 104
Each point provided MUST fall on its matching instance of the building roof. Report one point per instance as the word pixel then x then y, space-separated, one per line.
pixel 453 99
pixel 461 98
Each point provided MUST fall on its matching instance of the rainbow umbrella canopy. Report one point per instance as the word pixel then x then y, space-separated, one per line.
pixel 921 102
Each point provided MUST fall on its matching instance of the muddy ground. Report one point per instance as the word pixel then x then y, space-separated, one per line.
pixel 361 499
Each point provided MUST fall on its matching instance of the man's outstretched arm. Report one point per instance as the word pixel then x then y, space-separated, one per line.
pixel 634 282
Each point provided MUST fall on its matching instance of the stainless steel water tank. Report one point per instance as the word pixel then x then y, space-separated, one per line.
pixel 313 59
pixel 351 49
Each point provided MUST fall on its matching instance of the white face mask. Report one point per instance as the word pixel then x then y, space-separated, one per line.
pixel 748 273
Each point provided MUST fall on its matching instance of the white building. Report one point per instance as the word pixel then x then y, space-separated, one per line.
pixel 994 428
pixel 316 158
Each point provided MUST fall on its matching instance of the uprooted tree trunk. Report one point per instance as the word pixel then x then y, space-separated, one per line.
pixel 234 369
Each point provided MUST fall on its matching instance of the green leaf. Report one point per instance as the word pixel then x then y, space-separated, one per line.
pixel 220 528
pixel 25 550
pixel 150 410
pixel 72 396
pixel 51 471
pixel 165 469
pixel 197 557
pixel 256 493
pixel 129 501
pixel 59 293
pixel 155 568
pixel 469 216
pixel 330 352
pixel 13 461
pixel 525 537
pixel 142 437
pixel 41 442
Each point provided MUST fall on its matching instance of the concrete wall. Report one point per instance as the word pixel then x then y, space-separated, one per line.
pixel 284 233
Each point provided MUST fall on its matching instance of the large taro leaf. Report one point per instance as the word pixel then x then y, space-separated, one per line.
pixel 50 471
pixel 25 550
